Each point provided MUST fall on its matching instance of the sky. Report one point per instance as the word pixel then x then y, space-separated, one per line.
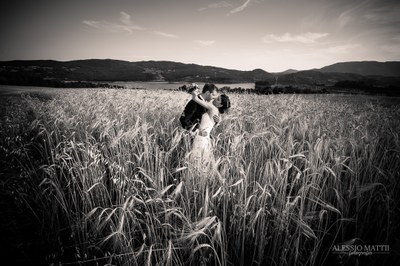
pixel 274 35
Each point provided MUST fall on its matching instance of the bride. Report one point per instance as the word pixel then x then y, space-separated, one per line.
pixel 201 154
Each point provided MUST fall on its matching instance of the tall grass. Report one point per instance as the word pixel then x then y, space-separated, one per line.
pixel 295 175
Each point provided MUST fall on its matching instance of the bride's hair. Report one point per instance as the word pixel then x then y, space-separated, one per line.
pixel 226 103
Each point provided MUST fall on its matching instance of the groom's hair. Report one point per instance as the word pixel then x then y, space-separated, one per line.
pixel 209 87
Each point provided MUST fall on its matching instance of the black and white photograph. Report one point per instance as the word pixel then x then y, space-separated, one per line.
pixel 197 133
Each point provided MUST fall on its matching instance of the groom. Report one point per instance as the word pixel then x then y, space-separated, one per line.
pixel 191 116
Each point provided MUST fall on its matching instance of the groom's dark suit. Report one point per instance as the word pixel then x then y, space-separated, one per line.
pixel 191 116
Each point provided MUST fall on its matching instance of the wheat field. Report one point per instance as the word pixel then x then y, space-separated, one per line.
pixel 103 175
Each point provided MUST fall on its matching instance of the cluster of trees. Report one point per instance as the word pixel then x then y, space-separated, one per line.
pixel 291 89
pixel 369 87
pixel 264 87
pixel 224 89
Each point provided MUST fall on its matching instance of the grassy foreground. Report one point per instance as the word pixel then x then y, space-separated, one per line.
pixel 99 177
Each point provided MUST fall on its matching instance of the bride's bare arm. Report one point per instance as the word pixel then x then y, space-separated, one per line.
pixel 207 105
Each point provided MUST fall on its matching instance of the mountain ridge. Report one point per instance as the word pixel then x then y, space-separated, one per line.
pixel 119 70
pixel 366 68
pixel 22 72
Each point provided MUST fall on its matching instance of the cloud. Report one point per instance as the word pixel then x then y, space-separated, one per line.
pixel 240 8
pixel 125 18
pixel 163 34
pixel 383 15
pixel 204 43
pixel 307 38
pixel 344 18
pixel 111 27
pixel 373 12
pixel 126 24
pixel 341 49
pixel 221 4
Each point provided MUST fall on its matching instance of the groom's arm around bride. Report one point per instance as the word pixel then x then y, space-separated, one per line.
pixel 191 116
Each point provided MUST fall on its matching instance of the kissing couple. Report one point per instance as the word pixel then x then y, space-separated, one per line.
pixel 199 117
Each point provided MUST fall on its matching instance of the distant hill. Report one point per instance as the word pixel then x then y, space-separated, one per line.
pixel 22 72
pixel 369 72
pixel 26 72
pixel 312 77
pixel 172 71
pixel 289 71
pixel 366 68
pixel 82 72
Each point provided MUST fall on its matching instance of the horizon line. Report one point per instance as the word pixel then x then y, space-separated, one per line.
pixel 179 62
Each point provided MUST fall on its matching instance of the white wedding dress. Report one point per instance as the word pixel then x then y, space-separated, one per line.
pixel 201 155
